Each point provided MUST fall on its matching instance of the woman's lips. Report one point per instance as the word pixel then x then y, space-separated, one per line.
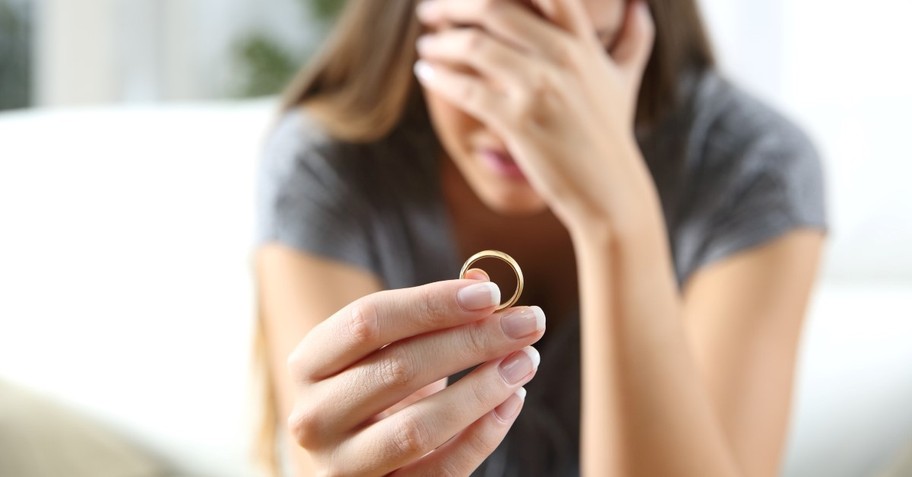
pixel 502 164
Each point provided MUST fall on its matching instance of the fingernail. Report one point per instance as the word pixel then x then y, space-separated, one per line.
pixel 519 364
pixel 523 322
pixel 479 296
pixel 424 71
pixel 510 408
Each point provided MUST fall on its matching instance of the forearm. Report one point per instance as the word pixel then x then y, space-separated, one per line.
pixel 644 409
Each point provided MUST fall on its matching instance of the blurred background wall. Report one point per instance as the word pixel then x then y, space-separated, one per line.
pixel 79 52
pixel 804 56
pixel 842 69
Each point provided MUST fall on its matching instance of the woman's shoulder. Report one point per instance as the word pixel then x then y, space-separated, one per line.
pixel 747 143
pixel 299 142
pixel 734 126
pixel 742 173
pixel 366 204
pixel 300 153
pixel 310 195
pixel 722 137
pixel 298 138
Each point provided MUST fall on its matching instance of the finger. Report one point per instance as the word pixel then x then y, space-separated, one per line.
pixel 413 432
pixel 465 452
pixel 514 23
pixel 487 55
pixel 416 396
pixel 477 274
pixel 376 320
pixel 467 92
pixel 346 401
pixel 570 15
pixel 504 65
pixel 634 45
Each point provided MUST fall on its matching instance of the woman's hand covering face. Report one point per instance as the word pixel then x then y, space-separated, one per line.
pixel 561 103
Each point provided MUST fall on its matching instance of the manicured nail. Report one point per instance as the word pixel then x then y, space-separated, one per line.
pixel 510 408
pixel 523 322
pixel 519 364
pixel 424 71
pixel 479 296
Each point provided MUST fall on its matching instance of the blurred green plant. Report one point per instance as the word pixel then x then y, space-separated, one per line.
pixel 326 9
pixel 15 55
pixel 266 64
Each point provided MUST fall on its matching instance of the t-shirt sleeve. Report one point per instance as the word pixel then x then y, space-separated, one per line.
pixel 770 186
pixel 305 198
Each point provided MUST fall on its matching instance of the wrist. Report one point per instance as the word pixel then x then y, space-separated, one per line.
pixel 616 197
pixel 643 232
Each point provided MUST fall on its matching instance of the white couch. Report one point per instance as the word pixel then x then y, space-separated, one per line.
pixel 125 290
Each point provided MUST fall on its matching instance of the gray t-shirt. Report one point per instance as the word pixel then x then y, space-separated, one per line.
pixel 731 174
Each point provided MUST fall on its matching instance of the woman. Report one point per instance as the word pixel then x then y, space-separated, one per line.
pixel 669 225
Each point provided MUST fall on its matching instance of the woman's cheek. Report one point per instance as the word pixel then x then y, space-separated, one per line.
pixel 462 136
pixel 454 127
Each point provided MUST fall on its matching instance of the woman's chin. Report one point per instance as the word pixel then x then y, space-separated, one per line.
pixel 514 203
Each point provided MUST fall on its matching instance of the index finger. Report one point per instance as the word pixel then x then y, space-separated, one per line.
pixel 515 23
pixel 371 322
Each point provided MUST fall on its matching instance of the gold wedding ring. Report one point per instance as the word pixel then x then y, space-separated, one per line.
pixel 503 257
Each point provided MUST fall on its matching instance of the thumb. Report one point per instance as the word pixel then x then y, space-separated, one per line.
pixel 634 46
pixel 477 274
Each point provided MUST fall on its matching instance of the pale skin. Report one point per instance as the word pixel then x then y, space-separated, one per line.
pixel 675 383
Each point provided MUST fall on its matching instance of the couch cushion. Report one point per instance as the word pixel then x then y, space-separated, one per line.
pixel 39 438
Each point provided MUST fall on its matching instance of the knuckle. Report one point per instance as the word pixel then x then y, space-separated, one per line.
pixel 497 16
pixel 475 341
pixel 395 370
pixel 567 52
pixel 483 393
pixel 450 469
pixel 334 471
pixel 498 10
pixel 481 441
pixel 297 364
pixel 529 103
pixel 295 361
pixel 304 426
pixel 411 436
pixel 523 106
pixel 474 40
pixel 430 306
pixel 468 93
pixel 541 84
pixel 487 6
pixel 337 470
pixel 464 93
pixel 364 322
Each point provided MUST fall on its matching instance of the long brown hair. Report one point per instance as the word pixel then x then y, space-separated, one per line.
pixel 360 87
